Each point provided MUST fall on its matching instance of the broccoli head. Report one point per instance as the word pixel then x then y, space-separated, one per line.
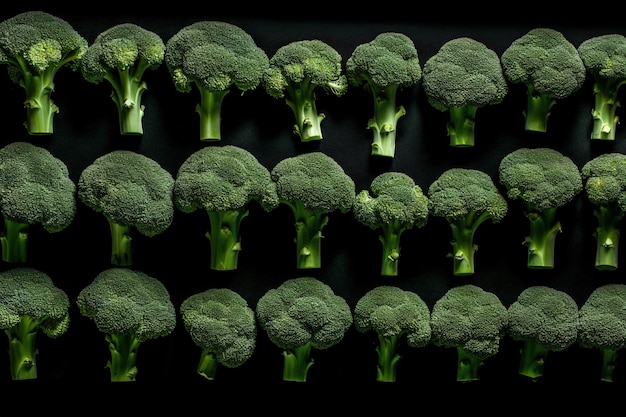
pixel 383 67
pixel 296 72
pixel 550 69
pixel 133 192
pixel 463 76
pixel 393 205
pixel 129 307
pixel 312 185
pixel 395 316
pixel 34 46
pixel 300 315
pixel 214 58
pixel 30 304
pixel 121 55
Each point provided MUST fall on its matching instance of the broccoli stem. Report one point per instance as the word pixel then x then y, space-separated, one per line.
pixel 224 237
pixel 467 366
pixel 606 104
pixel 123 348
pixel 40 108
pixel 296 363
pixel 533 358
pixel 22 351
pixel 126 95
pixel 538 108
pixel 121 244
pixel 207 366
pixel 463 247
pixel 607 236
pixel 309 240
pixel 210 111
pixel 544 228
pixel 609 361
pixel 387 358
pixel 461 125
pixel 390 239
pixel 385 121
pixel 301 99
pixel 14 240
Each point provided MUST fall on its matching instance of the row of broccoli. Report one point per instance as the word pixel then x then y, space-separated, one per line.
pixel 214 58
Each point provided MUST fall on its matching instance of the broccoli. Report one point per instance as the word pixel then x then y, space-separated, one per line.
pixel 383 67
pixel 604 58
pixel 312 185
pixel 604 179
pixel 35 45
pixel 545 320
pixel 550 69
pixel 223 181
pixel 463 76
pixel 300 315
pixel 544 180
pixel 465 198
pixel 473 321
pixel 130 308
pixel 132 191
pixel 222 324
pixel 602 326
pixel 394 315
pixel 121 55
pixel 30 304
pixel 214 58
pixel 36 189
pixel 296 71
pixel 394 204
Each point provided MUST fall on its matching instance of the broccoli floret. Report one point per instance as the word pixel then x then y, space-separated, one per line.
pixel 465 198
pixel 463 76
pixel 393 205
pixel 130 308
pixel 296 72
pixel 30 304
pixel 550 69
pixel 300 315
pixel 222 324
pixel 312 185
pixel 545 320
pixel 35 189
pixel 133 192
pixel 383 67
pixel 35 45
pixel 544 180
pixel 604 58
pixel 214 58
pixel 395 316
pixel 471 320
pixel 223 181
pixel 604 179
pixel 121 55
pixel 602 326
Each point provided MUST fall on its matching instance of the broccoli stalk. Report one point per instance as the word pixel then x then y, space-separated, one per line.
pixel 461 125
pixel 297 362
pixel 538 106
pixel 463 247
pixel 207 365
pixel 225 238
pixel 121 243
pixel 609 362
pixel 390 237
pixel 533 359
pixel 123 349
pixel 300 98
pixel 606 104
pixel 541 240
pixel 209 110
pixel 308 225
pixel 384 122
pixel 14 241
pixel 22 349
pixel 467 366
pixel 388 358
pixel 40 108
pixel 607 235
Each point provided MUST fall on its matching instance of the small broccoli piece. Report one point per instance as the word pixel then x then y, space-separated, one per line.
pixel 393 205
pixel 132 191
pixel 214 58
pixel 463 76
pixel 222 324
pixel 383 67
pixel 602 326
pixel 35 45
pixel 544 180
pixel 296 71
pixel 130 308
pixel 550 69
pixel 465 198
pixel 604 179
pixel 604 58
pixel 30 304
pixel 545 320
pixel 121 55
pixel 474 322
pixel 300 315
pixel 223 181
pixel 312 185
pixel 36 189
pixel 394 315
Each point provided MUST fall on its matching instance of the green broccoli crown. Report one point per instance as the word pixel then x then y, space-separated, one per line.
pixel 392 312
pixel 602 318
pixel 36 187
pixel 301 311
pixel 543 178
pixel 28 292
pixel 604 179
pixel 605 56
pixel 220 321
pixel 544 315
pixel 129 189
pixel 544 59
pixel 471 318
pixel 122 301
pixel 464 72
pixel 214 56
